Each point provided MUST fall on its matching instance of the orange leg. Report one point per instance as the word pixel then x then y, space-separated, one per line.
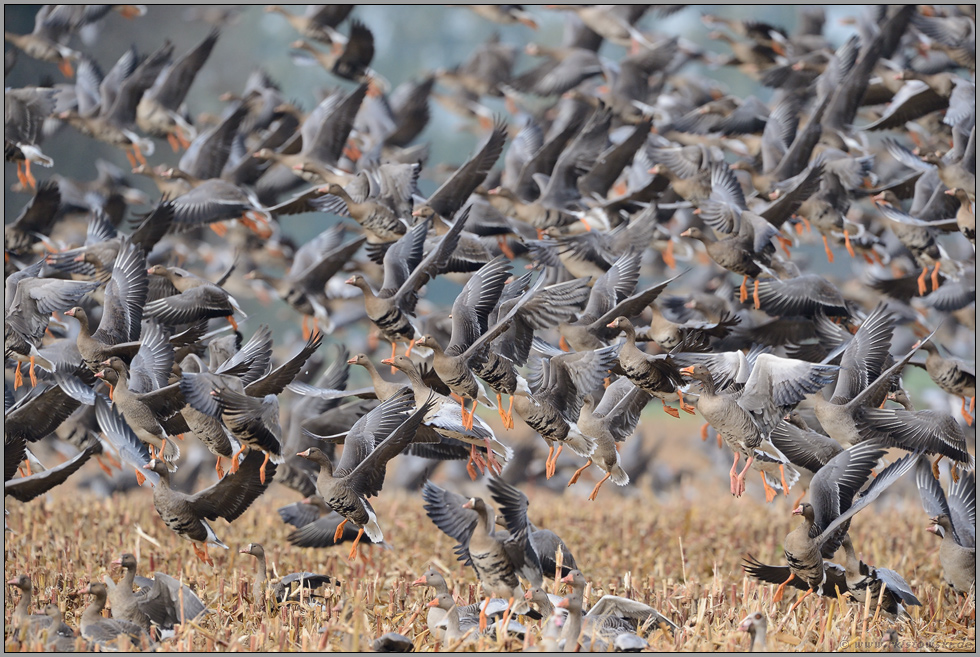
pixel 785 243
pixel 800 601
pixel 66 68
pixel 394 352
pixel 743 293
pixel 731 473
pixel 781 588
pixel 234 459
pixel 687 408
pixel 826 247
pixel 306 327
pixel 935 277
pixel 231 320
pixel 353 549
pixel 483 615
pixel 668 255
pixel 595 491
pixel 142 160
pixel 922 282
pixel 799 499
pixel 770 491
pixel 219 469
pixel 468 415
pixel 755 295
pixel 935 466
pixel 408 352
pixel 670 410
pixel 579 472
pixel 553 465
pixel 105 468
pixel 265 462
pixel 28 175
pixel 20 175
pixel 131 158
pixel 505 247
pixel 510 413
pixel 18 377
pixel 847 242
pixel 340 531
pixel 806 222
pixel 492 461
pixel 219 229
pixel 968 415
pixel 172 140
pixel 30 371
pixel 782 480
pixel 704 431
pixel 140 478
pixel 181 139
pixel 563 344
pixel 740 478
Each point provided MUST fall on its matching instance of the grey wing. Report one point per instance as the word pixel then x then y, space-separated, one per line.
pixel 373 428
pixel 727 368
pixel 233 494
pixel 368 477
pixel 834 486
pixel 930 491
pixel 125 296
pixel 402 258
pixel 26 489
pixel 474 303
pixel 928 431
pixel 446 511
pixel 152 364
pixel 276 381
pixel 962 500
pixel 253 360
pixel 776 385
pixel 898 586
pixel 166 601
pixel 637 612
pixel 122 439
pixel 621 405
pixel 809 450
pixel 864 357
pixel 566 379
pixel 885 478
pixel 513 507
pixel 299 514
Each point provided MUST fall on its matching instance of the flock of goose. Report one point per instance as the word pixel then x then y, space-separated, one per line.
pixel 595 230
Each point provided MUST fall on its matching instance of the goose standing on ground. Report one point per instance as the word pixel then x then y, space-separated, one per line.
pixel 162 601
pixel 58 637
pixel 289 587
pixel 25 625
pixel 102 631
pixel 755 625
pixel 374 440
